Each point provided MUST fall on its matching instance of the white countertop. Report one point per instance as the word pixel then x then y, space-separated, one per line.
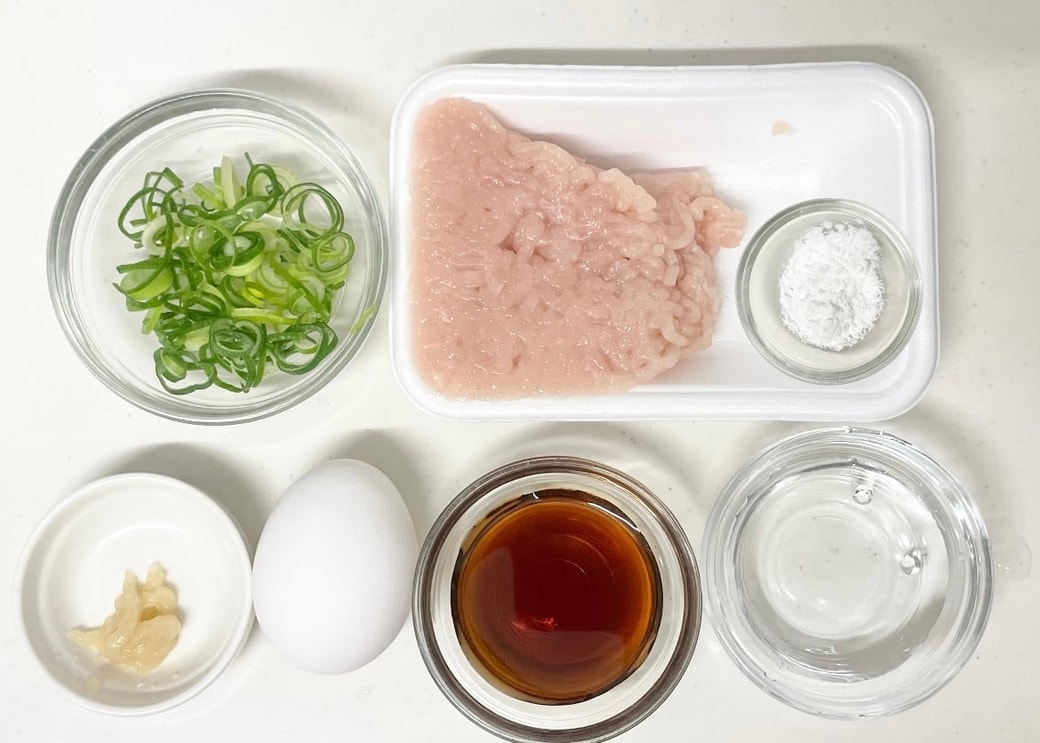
pixel 71 70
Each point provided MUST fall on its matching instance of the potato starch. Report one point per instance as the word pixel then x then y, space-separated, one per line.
pixel 831 289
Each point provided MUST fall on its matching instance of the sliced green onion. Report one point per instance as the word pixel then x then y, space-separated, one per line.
pixel 305 201
pixel 181 373
pixel 145 284
pixel 363 319
pixel 302 347
pixel 239 274
pixel 332 252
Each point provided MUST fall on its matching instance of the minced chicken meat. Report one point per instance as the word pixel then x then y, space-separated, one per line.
pixel 535 273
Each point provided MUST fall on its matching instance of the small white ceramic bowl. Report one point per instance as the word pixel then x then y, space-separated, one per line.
pixel 72 570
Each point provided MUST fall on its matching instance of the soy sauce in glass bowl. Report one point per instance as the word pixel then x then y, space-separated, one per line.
pixel 556 599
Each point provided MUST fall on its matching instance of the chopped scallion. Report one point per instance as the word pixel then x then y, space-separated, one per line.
pixel 240 274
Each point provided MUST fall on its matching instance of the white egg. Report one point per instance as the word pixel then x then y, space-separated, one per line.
pixel 333 569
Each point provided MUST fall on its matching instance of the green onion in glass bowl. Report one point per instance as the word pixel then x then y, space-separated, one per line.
pixel 245 239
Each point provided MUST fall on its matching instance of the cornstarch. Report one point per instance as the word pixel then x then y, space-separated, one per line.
pixel 831 289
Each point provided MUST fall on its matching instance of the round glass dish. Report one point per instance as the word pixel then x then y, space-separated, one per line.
pixel 847 573
pixel 758 295
pixel 507 712
pixel 190 133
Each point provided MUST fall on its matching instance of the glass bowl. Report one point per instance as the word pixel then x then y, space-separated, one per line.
pixel 190 133
pixel 552 641
pixel 759 296
pixel 847 573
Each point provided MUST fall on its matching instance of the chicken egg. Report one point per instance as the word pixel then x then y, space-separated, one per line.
pixel 333 569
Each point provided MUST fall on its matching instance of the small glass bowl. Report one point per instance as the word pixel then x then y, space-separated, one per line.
pixel 606 714
pixel 190 133
pixel 847 573
pixel 758 295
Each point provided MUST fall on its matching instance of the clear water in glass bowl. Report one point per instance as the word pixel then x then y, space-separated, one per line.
pixel 847 573
pixel 845 569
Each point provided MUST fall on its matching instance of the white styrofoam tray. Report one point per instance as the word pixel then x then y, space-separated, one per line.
pixel 769 136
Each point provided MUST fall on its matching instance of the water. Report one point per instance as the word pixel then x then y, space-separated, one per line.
pixel 863 495
pixel 910 563
pixel 845 569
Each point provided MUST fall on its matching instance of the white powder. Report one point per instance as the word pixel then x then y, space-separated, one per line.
pixel 831 289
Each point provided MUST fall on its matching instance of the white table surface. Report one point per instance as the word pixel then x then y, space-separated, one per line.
pixel 70 69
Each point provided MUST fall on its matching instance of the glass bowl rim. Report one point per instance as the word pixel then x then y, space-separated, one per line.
pixel 909 266
pixel 460 698
pixel 123 132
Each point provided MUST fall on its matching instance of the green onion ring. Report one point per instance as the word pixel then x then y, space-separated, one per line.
pixel 238 274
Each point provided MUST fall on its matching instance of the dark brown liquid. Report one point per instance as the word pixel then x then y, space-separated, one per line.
pixel 556 597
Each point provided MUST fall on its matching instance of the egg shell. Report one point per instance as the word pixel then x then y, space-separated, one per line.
pixel 333 568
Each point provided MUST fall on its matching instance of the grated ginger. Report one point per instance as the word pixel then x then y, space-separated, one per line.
pixel 144 627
